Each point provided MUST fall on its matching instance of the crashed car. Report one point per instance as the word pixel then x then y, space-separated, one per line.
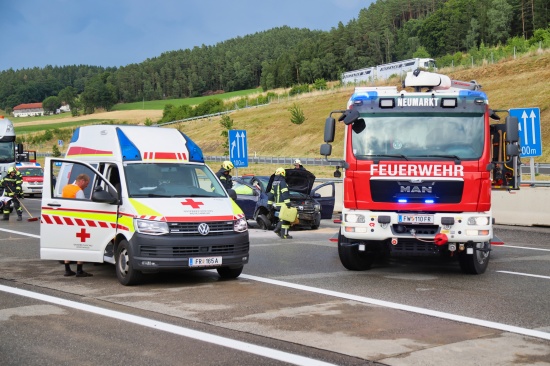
pixel 311 205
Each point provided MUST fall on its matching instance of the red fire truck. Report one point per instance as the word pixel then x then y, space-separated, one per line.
pixel 419 166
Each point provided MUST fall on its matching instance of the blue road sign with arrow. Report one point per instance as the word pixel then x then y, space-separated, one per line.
pixel 530 138
pixel 238 149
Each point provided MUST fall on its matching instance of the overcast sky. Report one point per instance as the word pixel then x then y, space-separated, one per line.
pixel 36 33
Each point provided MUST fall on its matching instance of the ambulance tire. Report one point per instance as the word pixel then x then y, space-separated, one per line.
pixel 126 274
pixel 229 273
pixel 477 262
pixel 350 256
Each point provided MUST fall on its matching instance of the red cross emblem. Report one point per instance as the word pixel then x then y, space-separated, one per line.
pixel 83 235
pixel 192 203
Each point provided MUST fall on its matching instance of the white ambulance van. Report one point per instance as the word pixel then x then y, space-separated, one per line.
pixel 152 205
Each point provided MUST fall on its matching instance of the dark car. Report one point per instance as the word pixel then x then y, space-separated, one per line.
pixel 312 206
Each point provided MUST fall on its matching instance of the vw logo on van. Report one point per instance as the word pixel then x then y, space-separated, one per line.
pixel 203 229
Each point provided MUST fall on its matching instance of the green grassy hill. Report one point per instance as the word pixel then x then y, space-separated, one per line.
pixel 520 83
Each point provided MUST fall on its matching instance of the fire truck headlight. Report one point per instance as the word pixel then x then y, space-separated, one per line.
pixel 478 220
pixel 151 227
pixel 353 218
pixel 240 225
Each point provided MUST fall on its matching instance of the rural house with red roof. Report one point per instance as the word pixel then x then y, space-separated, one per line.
pixel 28 110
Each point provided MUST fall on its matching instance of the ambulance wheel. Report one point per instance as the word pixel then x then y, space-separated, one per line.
pixel 263 222
pixel 477 262
pixel 229 273
pixel 125 271
pixel 351 257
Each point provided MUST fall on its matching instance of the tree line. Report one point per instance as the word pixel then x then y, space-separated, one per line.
pixel 386 31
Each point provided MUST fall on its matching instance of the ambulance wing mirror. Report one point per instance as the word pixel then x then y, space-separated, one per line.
pixel 512 129
pixel 103 196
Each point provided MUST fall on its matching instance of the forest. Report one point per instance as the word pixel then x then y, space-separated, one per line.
pixel 450 31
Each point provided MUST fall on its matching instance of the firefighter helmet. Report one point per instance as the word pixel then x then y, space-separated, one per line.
pixel 280 171
pixel 227 165
pixel 297 161
pixel 11 169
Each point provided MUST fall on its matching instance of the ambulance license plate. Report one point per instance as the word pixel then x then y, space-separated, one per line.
pixel 416 219
pixel 205 261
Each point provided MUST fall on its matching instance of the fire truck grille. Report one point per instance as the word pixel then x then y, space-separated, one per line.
pixel 417 192
pixel 185 251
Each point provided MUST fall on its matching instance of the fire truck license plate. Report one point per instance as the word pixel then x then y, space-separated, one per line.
pixel 416 219
pixel 205 261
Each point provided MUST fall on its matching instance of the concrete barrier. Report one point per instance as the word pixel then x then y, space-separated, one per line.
pixel 530 206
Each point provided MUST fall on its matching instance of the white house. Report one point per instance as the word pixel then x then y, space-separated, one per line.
pixel 28 110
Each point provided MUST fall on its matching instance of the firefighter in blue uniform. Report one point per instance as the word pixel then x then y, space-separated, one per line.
pixel 278 196
pixel 11 184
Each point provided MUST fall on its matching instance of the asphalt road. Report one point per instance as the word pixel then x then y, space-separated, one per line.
pixel 293 304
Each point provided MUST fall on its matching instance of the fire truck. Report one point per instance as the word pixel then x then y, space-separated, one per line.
pixel 419 167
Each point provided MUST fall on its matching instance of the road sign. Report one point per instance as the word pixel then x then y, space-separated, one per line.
pixel 530 138
pixel 238 149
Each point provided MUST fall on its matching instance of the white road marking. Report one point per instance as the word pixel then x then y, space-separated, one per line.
pixel 513 246
pixel 186 332
pixel 412 309
pixel 525 274
pixel 21 233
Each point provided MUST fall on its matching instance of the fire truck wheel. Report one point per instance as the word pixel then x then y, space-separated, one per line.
pixel 125 271
pixel 351 257
pixel 263 222
pixel 229 273
pixel 475 263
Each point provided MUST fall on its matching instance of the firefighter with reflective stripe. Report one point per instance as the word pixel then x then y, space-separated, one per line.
pixel 278 196
pixel 224 174
pixel 12 188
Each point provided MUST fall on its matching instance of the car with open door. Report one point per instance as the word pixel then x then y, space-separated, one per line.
pixel 313 204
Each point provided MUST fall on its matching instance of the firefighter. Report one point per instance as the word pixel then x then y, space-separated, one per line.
pixel 12 188
pixel 298 165
pixel 278 196
pixel 224 175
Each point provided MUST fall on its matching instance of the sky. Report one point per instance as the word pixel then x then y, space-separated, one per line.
pixel 36 33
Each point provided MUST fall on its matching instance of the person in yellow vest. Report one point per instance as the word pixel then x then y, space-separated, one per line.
pixel 76 190
pixel 12 184
pixel 278 196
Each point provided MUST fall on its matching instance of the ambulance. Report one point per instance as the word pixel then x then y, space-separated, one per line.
pixel 152 205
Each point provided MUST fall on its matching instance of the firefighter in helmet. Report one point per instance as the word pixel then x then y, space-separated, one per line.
pixel 12 188
pixel 224 174
pixel 278 196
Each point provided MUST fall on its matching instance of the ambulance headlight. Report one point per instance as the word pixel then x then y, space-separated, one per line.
pixel 151 227
pixel 478 220
pixel 240 225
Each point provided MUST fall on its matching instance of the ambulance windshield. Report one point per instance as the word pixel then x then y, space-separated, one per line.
pixel 171 180
pixel 419 136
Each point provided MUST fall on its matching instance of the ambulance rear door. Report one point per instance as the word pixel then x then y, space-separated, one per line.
pixel 76 229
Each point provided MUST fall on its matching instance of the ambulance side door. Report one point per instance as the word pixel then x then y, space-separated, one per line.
pixel 76 229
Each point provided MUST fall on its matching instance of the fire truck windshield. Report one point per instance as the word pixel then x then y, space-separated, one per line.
pixel 420 135
pixel 7 152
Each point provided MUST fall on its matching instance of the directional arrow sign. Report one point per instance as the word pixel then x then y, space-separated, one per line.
pixel 238 148
pixel 530 138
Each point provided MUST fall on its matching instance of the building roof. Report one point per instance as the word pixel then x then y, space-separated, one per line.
pixel 28 106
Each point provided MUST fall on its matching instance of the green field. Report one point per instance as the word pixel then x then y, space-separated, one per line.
pixel 159 104
pixel 21 130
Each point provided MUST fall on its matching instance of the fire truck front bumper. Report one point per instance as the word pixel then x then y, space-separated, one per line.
pixel 437 227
